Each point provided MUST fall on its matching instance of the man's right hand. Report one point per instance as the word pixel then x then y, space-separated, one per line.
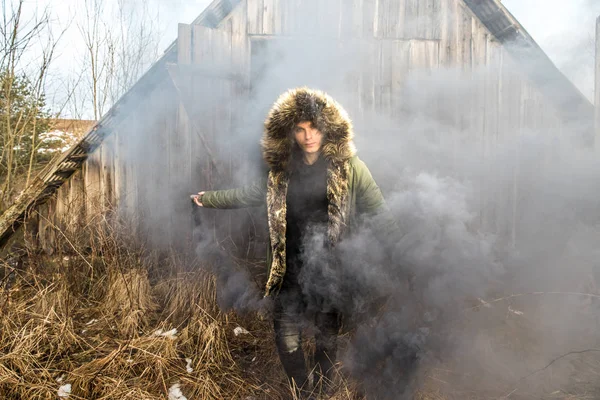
pixel 198 199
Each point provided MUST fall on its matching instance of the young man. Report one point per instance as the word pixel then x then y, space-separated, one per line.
pixel 315 192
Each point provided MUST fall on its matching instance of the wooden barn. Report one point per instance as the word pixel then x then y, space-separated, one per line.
pixel 193 121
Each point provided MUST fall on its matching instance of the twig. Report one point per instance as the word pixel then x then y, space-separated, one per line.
pixel 54 226
pixel 111 359
pixel 549 364
pixel 512 296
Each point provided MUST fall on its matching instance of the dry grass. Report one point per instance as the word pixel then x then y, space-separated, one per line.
pixel 116 321
pixel 91 318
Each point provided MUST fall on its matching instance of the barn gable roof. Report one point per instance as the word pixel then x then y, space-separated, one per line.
pixel 541 70
pixel 497 19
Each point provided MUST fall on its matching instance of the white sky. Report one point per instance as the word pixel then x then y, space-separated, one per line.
pixel 172 12
pixel 563 28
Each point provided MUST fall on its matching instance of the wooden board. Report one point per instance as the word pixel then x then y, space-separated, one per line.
pixel 423 56
pixel 255 17
pixel 390 19
pixel 401 67
pixel 411 19
pixel 597 85
pixel 384 91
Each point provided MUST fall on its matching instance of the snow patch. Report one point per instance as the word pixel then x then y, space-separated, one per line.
pixel 56 141
pixel 64 390
pixel 188 366
pixel 169 334
pixel 240 331
pixel 175 393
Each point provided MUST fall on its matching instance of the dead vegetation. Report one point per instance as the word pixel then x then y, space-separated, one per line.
pixel 92 318
pixel 105 318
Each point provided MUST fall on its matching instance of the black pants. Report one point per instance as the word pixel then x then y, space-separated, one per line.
pixel 292 313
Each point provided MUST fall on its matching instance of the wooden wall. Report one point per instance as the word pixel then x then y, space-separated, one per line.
pixel 170 144
pixel 597 85
pixel 396 40
pixel 176 141
pixel 407 36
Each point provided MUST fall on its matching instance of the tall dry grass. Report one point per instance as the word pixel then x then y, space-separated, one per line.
pixel 116 320
pixel 96 316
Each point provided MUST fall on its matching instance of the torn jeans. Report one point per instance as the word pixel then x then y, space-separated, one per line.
pixel 291 315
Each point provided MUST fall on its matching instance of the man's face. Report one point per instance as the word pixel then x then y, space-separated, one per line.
pixel 308 137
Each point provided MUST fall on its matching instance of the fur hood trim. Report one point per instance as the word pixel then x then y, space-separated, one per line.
pixel 304 104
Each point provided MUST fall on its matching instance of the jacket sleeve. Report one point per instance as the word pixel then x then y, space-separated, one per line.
pixel 371 206
pixel 369 200
pixel 248 196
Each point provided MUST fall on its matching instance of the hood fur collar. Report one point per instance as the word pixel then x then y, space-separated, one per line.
pixel 303 104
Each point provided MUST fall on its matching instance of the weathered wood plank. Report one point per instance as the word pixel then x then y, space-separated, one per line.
pixel 77 197
pixel 399 13
pixel 92 183
pixel 47 231
pixel 444 24
pixel 107 173
pixel 423 55
pixel 424 19
pixel 437 19
pixel 401 66
pixel 479 44
pixel 289 23
pixel 240 55
pixel 368 77
pixel 131 190
pixel 490 132
pixel 278 21
pixel 159 202
pixel 269 15
pixel 184 44
pixel 385 78
pixel 466 39
pixel 368 21
pixel 411 19
pixel 454 35
pixel 597 85
pixel 357 18
pixel 117 167
pixel 255 17
pixel 389 19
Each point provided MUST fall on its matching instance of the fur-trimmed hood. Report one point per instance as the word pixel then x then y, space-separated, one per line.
pixel 304 104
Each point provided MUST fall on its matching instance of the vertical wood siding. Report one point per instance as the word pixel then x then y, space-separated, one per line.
pixel 401 37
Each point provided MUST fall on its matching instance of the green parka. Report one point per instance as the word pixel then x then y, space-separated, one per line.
pixel 351 190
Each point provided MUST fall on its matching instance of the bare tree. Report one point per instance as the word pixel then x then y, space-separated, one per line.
pixel 137 44
pixel 99 57
pixel 22 103
pixel 120 43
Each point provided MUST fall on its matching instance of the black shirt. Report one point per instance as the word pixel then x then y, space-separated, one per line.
pixel 307 215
